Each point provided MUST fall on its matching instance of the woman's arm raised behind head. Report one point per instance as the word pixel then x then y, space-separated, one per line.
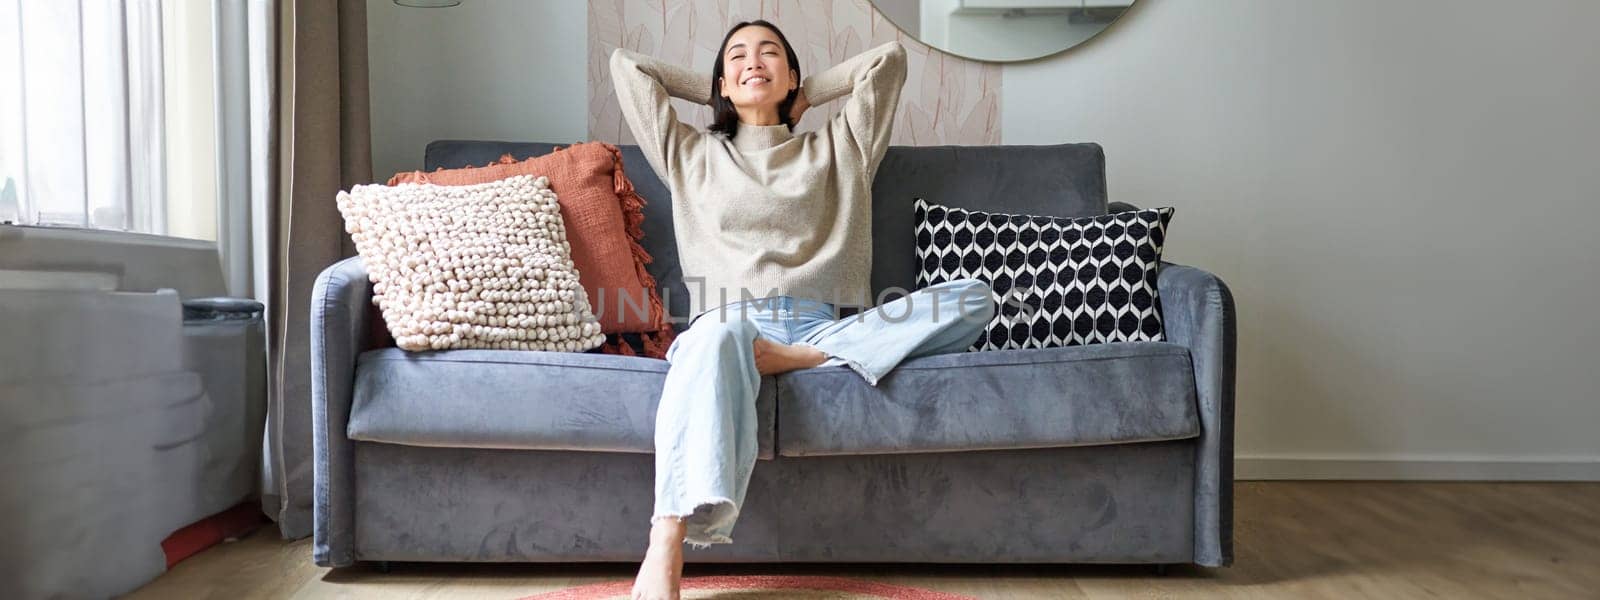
pixel 644 86
pixel 873 80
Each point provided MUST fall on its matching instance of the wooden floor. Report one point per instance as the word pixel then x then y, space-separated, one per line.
pixel 1294 540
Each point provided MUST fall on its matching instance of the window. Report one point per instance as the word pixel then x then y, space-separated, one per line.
pixel 107 115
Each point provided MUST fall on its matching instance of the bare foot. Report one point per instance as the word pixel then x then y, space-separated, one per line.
pixel 662 569
pixel 773 358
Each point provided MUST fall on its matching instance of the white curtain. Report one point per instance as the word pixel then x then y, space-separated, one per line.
pixel 88 99
pixel 243 43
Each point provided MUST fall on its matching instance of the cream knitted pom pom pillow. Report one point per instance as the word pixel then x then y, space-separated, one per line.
pixel 474 266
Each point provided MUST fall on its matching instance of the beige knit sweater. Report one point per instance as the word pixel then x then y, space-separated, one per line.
pixel 769 212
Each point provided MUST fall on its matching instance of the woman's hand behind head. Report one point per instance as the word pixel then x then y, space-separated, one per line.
pixel 800 106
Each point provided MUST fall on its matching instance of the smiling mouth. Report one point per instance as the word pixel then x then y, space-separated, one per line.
pixel 757 80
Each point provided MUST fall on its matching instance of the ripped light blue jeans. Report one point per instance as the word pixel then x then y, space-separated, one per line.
pixel 705 438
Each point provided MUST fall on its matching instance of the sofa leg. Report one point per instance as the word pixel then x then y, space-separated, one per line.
pixel 1161 570
pixel 383 566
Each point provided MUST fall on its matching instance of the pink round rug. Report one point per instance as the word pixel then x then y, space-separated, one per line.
pixel 797 587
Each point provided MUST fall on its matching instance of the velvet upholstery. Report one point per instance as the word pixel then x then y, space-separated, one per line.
pixel 1122 503
pixel 1199 315
pixel 511 399
pixel 1033 398
pixel 341 299
pixel 1111 453
pixel 1066 180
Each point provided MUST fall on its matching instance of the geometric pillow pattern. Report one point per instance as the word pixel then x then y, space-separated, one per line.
pixel 1058 281
pixel 474 266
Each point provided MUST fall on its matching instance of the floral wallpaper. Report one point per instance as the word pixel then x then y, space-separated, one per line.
pixel 946 100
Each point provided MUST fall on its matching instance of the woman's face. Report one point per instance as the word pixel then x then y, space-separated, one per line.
pixel 755 68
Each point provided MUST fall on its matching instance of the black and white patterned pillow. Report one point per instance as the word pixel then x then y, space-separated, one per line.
pixel 1057 281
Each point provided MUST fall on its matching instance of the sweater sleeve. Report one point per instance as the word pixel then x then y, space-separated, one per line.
pixel 873 80
pixel 644 86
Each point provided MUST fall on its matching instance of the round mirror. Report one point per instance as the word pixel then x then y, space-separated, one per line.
pixel 1002 30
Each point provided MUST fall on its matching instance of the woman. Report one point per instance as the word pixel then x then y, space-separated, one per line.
pixel 779 224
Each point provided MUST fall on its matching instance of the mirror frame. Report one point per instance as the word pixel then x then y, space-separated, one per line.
pixel 1132 5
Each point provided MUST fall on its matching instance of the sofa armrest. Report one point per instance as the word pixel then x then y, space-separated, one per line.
pixel 339 304
pixel 1197 311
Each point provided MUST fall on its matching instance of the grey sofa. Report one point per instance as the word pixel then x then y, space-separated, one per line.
pixel 1112 453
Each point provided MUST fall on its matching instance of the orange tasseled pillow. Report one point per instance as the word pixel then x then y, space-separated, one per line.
pixel 604 217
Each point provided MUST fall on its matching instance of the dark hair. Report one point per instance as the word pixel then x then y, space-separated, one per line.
pixel 724 117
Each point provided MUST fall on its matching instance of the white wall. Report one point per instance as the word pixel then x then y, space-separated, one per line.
pixel 487 69
pixel 1395 191
pixel 1398 194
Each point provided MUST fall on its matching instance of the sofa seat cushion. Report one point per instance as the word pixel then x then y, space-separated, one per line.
pixel 1003 399
pixel 520 400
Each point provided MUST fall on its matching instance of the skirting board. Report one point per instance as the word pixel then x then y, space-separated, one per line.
pixel 1415 469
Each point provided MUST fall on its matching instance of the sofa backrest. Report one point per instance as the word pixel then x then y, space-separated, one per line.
pixel 1062 180
pixel 1066 180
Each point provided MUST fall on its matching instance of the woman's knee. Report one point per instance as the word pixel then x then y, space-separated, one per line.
pixel 976 298
pixel 712 329
pixel 710 334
